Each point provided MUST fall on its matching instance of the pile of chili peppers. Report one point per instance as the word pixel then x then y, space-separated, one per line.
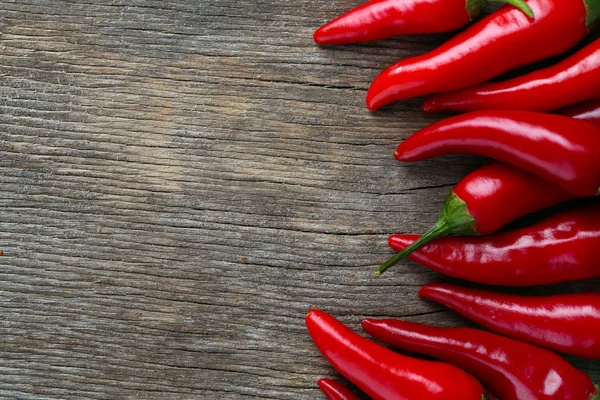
pixel 542 132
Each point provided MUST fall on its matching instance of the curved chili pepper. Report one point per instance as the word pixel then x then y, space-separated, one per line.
pixel 559 149
pixel 335 390
pixel 381 19
pixel 500 42
pixel 569 323
pixel 486 200
pixel 513 370
pixel 383 374
pixel 588 111
pixel 573 80
pixel 560 248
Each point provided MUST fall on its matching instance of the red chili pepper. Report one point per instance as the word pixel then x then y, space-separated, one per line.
pixel 381 19
pixel 559 149
pixel 588 111
pixel 486 200
pixel 511 369
pixel 335 390
pixel 575 79
pixel 383 374
pixel 498 43
pixel 569 323
pixel 560 248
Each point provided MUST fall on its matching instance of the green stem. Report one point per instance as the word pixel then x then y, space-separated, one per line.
pixel 455 219
pixel 597 395
pixel 520 4
pixel 474 7
pixel 439 229
pixel 592 8
pixel 485 397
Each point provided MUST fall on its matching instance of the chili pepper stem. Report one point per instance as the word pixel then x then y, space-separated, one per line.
pixel 474 7
pixel 597 395
pixel 520 4
pixel 485 397
pixel 455 219
pixel 441 228
pixel 593 14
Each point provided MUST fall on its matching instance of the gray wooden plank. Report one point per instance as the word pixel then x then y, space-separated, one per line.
pixel 182 181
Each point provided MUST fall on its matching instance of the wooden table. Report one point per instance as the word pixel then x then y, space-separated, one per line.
pixel 183 180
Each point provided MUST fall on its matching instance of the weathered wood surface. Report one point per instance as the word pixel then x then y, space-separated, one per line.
pixel 181 181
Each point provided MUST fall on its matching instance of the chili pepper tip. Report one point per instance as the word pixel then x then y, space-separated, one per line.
pixel 441 228
pixel 430 290
pixel 319 35
pixel 429 105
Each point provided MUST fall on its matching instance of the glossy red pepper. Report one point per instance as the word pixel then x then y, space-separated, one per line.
pixel 383 374
pixel 569 323
pixel 511 369
pixel 560 248
pixel 559 149
pixel 336 391
pixel 588 111
pixel 381 19
pixel 573 80
pixel 486 200
pixel 500 42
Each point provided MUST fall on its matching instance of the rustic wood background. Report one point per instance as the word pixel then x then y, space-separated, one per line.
pixel 182 180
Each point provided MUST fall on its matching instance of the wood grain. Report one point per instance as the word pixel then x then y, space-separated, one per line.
pixel 182 181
